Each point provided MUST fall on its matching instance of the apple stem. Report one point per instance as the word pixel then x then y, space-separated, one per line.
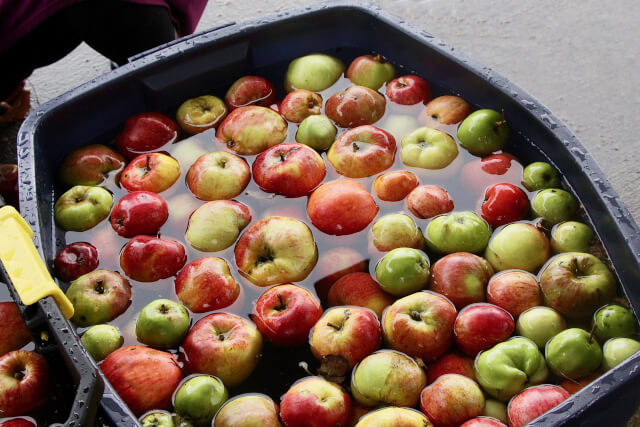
pixel 502 120
pixel 305 367
pixel 378 58
pixel 334 326
pixel 593 330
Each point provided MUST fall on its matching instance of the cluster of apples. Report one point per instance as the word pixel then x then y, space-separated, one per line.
pixel 461 336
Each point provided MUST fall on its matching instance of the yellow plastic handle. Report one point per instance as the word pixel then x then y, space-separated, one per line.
pixel 28 273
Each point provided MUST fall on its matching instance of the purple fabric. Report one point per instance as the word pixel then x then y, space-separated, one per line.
pixel 18 17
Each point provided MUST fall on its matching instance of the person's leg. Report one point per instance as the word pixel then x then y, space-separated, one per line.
pixel 120 30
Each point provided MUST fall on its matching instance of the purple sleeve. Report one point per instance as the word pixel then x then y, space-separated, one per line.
pixel 184 13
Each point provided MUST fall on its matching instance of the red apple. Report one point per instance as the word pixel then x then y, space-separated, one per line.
pixel 89 165
pixel 300 104
pixel 462 277
pixel 498 164
pixel 19 422
pixel 514 291
pixel 504 203
pixel 139 212
pixel 359 289
pixel 446 110
pixel 394 186
pixel 483 422
pixel 143 377
pixel 341 207
pixel 408 90
pixel 292 170
pixel 420 324
pixel 451 400
pixel 533 402
pixel 224 345
pixel 250 90
pixel 154 172
pixel 14 334
pixel 371 71
pixel 24 382
pixel 362 151
pixel 356 106
pixel 206 284
pixel 218 175
pixel 74 260
pixel 496 168
pixel 350 332
pixel 285 314
pixel 334 264
pixel 147 259
pixel 428 201
pixel 251 130
pixel 481 326
pixel 450 363
pixel 315 402
pixel 146 132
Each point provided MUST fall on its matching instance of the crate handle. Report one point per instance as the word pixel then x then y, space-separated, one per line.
pixel 24 265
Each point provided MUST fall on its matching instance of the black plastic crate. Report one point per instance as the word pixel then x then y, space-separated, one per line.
pixel 162 78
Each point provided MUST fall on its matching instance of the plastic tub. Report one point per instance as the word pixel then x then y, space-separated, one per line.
pixel 161 79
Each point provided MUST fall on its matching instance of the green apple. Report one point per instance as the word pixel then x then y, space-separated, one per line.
pixel 387 377
pixel 483 132
pixel 518 245
pixel 162 324
pixel 315 72
pixel 316 131
pixel 396 231
pixel 614 321
pixel 540 175
pixel 98 297
pixel 573 353
pixel 554 205
pixel 403 271
pixel 571 236
pixel 101 340
pixel 157 419
pixel 509 367
pixel 540 324
pixel 82 207
pixel 216 225
pixel 496 409
pixel 617 350
pixel 428 148
pixel 199 397
pixel 576 284
pixel 457 232
pixel 370 71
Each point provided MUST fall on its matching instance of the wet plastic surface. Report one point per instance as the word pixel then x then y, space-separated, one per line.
pixel 163 78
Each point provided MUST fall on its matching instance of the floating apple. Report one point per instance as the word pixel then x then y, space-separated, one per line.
pixel 276 250
pixel 315 72
pixel 394 417
pixel 540 175
pixel 251 130
pixel 139 212
pixel 617 350
pixel 394 186
pixel 143 377
pixel 371 71
pixel 98 297
pixel 250 90
pixel 341 207
pixel 300 104
pixel 396 231
pixel 457 232
pixel 24 382
pixel 248 410
pixel 206 284
pixel 462 277
pixel 147 259
pixel 451 400
pixel 157 418
pixel 102 340
pixel 285 314
pixel 154 172
pixel 504 203
pixel 573 353
pixel 327 402
pixel 146 132
pixel 82 208
pixel 515 291
pixel 428 201
pixel 613 321
pixel 292 170
pixel 571 236
pixel 162 324
pixel 216 225
pixel 223 345
pixel 420 325
pixel 480 326
pixel 554 205
pixel 483 132
pixel 199 397
pixel 576 284
pixel 362 151
pixel 408 90
pixel 540 324
pixel 356 106
pixel 499 168
pixel 533 402
pixel 428 148
pixel 198 114
pixel 316 131
pixel 518 245
pixel 334 264
pixel 483 422
pixel 90 165
pixel 14 333
pixel 74 260
pixel 403 271
pixel 359 289
pixel 448 109
pixel 450 363
pixel 218 175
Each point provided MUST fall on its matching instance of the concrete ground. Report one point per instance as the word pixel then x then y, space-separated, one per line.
pixel 579 58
